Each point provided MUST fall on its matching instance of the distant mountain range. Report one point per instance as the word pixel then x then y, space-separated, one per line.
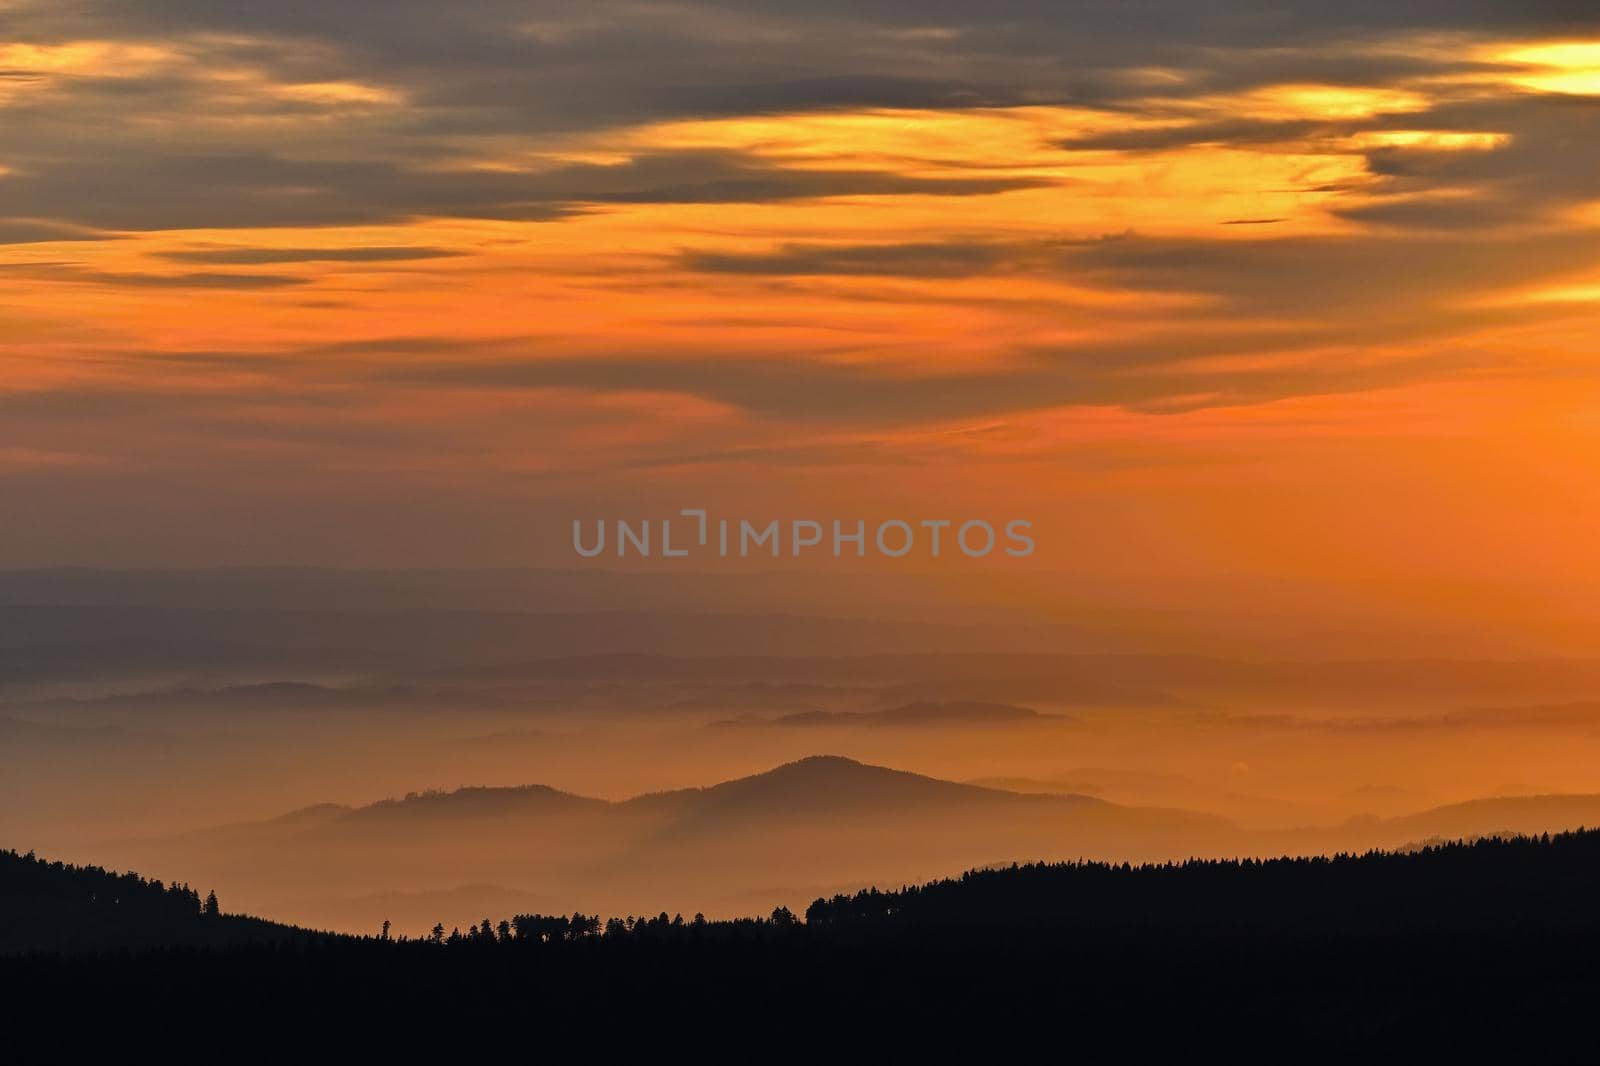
pixel 804 829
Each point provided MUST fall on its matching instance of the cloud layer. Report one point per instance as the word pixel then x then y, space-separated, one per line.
pixel 261 249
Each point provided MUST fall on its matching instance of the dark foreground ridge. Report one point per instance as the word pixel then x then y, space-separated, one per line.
pixel 1454 948
pixel 56 908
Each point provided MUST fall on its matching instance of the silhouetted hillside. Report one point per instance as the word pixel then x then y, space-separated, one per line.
pixel 1516 883
pixel 1520 884
pixel 56 907
pixel 1463 950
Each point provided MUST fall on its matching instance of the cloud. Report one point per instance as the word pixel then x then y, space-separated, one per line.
pixel 220 126
pixel 34 231
pixel 127 279
pixel 1380 269
pixel 1320 277
pixel 1437 213
pixel 873 395
pixel 168 191
pixel 1343 280
pixel 249 256
pixel 946 259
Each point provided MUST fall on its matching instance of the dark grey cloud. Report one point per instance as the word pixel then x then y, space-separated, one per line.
pixel 1338 279
pixel 1316 305
pixel 731 177
pixel 1452 213
pixel 162 190
pixel 1188 134
pixel 112 153
pixel 247 256
pixel 913 260
pixel 1551 158
pixel 514 66
pixel 851 91
pixel 154 187
pixel 776 389
pixel 124 151
pixel 189 280
pixel 1317 277
pixel 63 270
pixel 553 30
pixel 35 231
pixel 249 435
pixel 865 394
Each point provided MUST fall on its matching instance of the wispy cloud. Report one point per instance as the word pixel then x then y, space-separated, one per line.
pixel 530 237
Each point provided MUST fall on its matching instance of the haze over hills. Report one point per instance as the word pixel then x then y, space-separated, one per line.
pixel 813 827
pixel 803 829
pixel 1120 644
pixel 1499 815
pixel 51 907
pixel 926 713
pixel 143 708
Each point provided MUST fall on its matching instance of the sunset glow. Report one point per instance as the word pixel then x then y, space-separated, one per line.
pixel 250 259
pixel 729 509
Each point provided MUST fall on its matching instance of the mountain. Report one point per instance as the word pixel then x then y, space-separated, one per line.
pixel 814 827
pixel 473 804
pixel 1497 816
pixel 822 785
pixel 1500 815
pixel 805 828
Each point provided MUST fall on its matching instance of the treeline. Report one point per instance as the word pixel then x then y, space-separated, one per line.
pixel 548 929
pixel 63 908
pixel 1512 884
pixel 28 877
pixel 1548 881
pixel 1454 952
pixel 1494 883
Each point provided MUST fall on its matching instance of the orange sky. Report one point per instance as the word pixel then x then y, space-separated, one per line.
pixel 1317 307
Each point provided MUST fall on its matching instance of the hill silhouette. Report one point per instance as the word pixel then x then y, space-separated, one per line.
pixel 1500 815
pixel 804 828
pixel 59 908
pixel 474 803
pixel 1456 950
pixel 825 783
pixel 1493 883
pixel 817 826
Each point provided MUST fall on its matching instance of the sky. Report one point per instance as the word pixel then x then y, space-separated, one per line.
pixel 1258 292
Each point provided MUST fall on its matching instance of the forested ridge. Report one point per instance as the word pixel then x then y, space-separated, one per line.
pixel 55 907
pixel 1453 948
pixel 1549 881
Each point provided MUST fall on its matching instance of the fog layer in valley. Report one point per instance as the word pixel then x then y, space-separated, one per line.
pixel 379 752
